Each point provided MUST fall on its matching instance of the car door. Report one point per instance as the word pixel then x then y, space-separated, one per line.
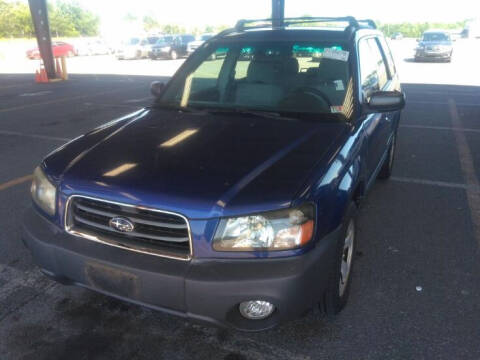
pixel 57 49
pixel 374 76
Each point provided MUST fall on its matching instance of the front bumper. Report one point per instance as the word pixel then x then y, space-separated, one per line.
pixel 204 290
pixel 159 53
pixel 424 54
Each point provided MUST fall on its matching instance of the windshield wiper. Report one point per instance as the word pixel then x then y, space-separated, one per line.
pixel 174 107
pixel 282 115
pixel 258 113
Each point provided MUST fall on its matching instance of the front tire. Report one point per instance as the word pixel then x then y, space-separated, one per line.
pixel 387 167
pixel 338 288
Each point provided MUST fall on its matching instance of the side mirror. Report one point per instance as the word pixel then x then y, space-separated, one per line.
pixel 156 88
pixel 385 101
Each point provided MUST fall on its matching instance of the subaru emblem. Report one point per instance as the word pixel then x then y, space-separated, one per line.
pixel 121 224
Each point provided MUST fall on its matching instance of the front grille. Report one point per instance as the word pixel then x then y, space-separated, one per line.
pixel 154 231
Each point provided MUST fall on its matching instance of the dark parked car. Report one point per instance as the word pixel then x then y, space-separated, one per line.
pixel 231 200
pixel 171 48
pixel 434 45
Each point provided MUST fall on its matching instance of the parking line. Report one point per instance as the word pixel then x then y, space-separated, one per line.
pixel 68 99
pixel 15 182
pixel 435 183
pixel 17 85
pixel 440 128
pixel 468 169
pixel 35 136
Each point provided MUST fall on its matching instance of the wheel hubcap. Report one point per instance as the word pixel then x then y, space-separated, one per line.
pixel 347 255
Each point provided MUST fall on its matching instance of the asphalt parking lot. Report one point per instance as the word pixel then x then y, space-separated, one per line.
pixel 416 286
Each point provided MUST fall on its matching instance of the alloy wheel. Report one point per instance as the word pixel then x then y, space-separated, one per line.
pixel 347 255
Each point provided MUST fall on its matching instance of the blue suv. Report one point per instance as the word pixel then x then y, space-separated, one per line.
pixel 232 199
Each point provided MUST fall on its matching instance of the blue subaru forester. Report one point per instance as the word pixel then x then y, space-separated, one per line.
pixel 232 199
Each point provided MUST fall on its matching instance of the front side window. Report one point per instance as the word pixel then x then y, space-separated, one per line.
pixel 389 56
pixel 373 71
pixel 280 76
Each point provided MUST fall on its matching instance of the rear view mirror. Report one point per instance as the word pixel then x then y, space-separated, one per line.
pixel 156 88
pixel 385 101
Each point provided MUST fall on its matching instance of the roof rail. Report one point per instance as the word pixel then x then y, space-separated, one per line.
pixel 262 23
pixel 368 22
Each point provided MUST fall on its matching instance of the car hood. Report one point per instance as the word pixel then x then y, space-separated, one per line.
pixel 199 164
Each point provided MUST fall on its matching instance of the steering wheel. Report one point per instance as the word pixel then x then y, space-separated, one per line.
pixel 315 94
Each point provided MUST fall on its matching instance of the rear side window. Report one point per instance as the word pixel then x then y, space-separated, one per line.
pixel 373 70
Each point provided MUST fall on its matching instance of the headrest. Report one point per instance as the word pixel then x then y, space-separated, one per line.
pixel 264 71
pixel 291 66
pixel 332 69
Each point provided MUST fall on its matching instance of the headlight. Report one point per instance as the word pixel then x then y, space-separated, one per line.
pixel 43 192
pixel 276 230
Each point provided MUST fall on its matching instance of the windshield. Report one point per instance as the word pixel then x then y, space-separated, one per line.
pixel 435 37
pixel 152 40
pixel 279 76
pixel 164 40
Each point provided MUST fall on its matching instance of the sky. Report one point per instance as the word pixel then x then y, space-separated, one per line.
pixel 196 13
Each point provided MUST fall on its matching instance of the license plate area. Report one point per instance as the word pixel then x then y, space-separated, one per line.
pixel 112 280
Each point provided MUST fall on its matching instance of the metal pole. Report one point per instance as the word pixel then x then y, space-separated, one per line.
pixel 278 12
pixel 38 9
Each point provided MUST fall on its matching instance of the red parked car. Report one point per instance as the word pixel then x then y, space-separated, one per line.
pixel 59 48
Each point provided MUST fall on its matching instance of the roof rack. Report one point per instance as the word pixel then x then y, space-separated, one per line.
pixel 282 23
pixel 368 22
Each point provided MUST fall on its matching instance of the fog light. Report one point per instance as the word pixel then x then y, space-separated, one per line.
pixel 256 309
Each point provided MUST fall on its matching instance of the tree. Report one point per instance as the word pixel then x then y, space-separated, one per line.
pixel 209 29
pixel 173 29
pixel 15 19
pixel 150 23
pixel 67 18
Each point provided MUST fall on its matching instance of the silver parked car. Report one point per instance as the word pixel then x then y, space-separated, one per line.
pixel 136 48
pixel 199 40
pixel 434 45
